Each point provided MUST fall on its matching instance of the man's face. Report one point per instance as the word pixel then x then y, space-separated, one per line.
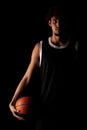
pixel 58 26
pixel 55 25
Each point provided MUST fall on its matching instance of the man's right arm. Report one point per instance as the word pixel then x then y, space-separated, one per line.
pixel 34 63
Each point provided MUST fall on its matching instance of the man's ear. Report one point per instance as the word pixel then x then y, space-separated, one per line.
pixel 49 23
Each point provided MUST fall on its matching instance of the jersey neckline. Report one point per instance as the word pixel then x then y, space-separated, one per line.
pixel 57 47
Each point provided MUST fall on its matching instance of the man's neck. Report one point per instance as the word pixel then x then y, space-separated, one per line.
pixel 56 40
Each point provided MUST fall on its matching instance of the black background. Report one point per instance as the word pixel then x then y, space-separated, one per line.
pixel 23 26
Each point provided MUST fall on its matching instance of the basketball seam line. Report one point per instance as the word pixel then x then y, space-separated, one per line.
pixel 21 105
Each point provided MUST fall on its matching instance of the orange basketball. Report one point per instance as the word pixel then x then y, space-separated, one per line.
pixel 23 105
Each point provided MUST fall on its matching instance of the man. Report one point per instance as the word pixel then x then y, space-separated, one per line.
pixel 56 59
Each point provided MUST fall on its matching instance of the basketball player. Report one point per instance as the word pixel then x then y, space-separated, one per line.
pixel 56 59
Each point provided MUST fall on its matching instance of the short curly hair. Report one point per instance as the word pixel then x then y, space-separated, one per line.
pixel 57 11
pixel 54 11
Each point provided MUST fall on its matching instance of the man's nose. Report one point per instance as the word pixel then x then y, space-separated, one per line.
pixel 57 23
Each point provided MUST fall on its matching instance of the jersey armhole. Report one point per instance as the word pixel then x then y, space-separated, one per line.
pixel 40 53
pixel 76 46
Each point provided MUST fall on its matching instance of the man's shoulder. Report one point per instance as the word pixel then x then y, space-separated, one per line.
pixel 42 41
pixel 45 40
pixel 74 42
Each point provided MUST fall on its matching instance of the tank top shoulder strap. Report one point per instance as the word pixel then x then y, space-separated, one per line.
pixel 43 44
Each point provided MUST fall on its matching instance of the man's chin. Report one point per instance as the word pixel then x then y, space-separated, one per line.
pixel 57 34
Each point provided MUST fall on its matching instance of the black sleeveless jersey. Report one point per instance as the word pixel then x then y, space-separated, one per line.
pixel 58 72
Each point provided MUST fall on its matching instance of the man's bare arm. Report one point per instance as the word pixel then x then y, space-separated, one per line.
pixel 27 76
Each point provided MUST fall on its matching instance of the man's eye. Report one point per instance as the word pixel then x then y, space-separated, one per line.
pixel 54 21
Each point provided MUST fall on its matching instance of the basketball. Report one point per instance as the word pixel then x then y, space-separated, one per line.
pixel 23 105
